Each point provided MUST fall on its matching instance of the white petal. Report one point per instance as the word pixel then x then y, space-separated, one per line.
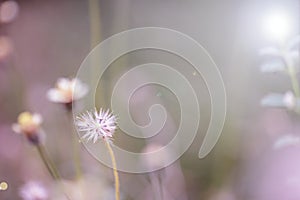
pixel 63 83
pixel 80 91
pixel 37 118
pixel 57 96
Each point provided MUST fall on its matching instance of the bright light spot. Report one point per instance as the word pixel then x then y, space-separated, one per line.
pixel 3 186
pixel 277 25
pixel 8 11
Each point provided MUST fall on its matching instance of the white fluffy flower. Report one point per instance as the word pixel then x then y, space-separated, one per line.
pixel 96 124
pixel 33 191
pixel 67 90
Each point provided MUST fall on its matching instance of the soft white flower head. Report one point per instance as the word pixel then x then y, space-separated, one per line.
pixel 67 91
pixel 96 124
pixel 33 191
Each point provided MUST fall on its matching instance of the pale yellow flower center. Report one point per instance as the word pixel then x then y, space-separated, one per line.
pixel 27 123
pixel 25 119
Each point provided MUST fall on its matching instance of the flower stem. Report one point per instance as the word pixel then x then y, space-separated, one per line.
pixel 113 160
pixel 76 149
pixel 76 156
pixel 50 167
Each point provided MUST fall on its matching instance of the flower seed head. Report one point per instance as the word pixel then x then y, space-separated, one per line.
pixel 96 124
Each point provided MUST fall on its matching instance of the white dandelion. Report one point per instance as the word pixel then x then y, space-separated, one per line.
pixel 96 124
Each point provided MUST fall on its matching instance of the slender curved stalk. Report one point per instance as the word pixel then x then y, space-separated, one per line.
pixel 114 163
pixel 76 156
pixel 50 167
pixel 75 147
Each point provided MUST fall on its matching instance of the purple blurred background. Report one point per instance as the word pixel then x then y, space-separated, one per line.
pixel 50 39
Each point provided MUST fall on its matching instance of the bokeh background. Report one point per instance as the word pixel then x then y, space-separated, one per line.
pixel 41 41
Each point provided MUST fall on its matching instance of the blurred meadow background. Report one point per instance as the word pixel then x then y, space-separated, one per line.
pixel 257 155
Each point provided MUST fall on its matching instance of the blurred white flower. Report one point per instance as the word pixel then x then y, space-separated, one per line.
pixel 29 125
pixel 287 100
pixel 96 124
pixel 286 140
pixel 67 91
pixel 273 100
pixel 33 191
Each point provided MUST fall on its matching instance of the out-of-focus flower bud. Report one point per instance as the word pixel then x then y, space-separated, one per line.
pixel 8 11
pixel 29 125
pixel 66 91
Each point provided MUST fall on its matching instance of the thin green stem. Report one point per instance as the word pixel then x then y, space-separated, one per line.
pixel 114 163
pixel 76 156
pixel 50 167
pixel 75 147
